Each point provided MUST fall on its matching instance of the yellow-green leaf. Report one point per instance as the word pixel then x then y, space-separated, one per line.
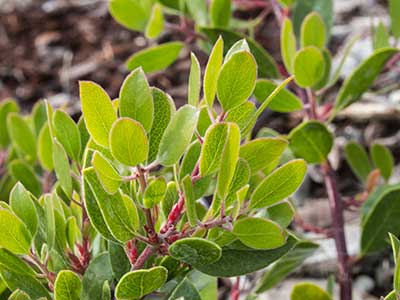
pixel 212 72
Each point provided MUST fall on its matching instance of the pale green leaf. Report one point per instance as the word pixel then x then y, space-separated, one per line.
pixel 131 14
pixel 155 192
pixel 62 167
pixel 155 24
pixel 313 31
pixel 383 160
pixel 194 81
pixel 394 10
pixel 22 136
pixel 308 66
pixel 212 72
pixel 68 286
pixel 288 44
pixel 190 203
pixel 308 291
pixel 6 107
pixel 45 148
pixel 107 174
pixel 67 133
pixel 14 235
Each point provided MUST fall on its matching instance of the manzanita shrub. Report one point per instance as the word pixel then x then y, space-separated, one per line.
pixel 123 219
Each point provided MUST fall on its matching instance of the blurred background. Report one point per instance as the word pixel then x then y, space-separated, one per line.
pixel 46 46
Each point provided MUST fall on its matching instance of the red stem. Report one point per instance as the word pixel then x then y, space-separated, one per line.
pixel 147 252
pixel 235 292
pixel 336 207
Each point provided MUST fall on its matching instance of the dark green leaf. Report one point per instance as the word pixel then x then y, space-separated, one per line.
pixel 119 260
pixel 358 160
pixel 383 160
pixel 185 289
pixel 6 107
pixel 23 172
pixel 45 148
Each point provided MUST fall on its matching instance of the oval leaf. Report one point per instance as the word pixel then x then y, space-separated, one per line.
pixel 309 66
pixel 14 235
pixel 68 286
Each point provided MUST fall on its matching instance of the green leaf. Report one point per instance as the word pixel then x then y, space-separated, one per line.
pixel 362 78
pixel 19 295
pixel 212 149
pixel 190 201
pixel 23 172
pixel 119 260
pixel 195 251
pixel 97 110
pixel 212 72
pixel 10 261
pixel 39 116
pixel 68 286
pixel 313 31
pixel 22 136
pixel 383 160
pixel 302 8
pixel 197 10
pixel 106 291
pixel 155 58
pixel 156 22
pixel 259 233
pixel 286 265
pixel 396 277
pixel 164 108
pixel 395 242
pixel 263 152
pixel 230 156
pixel 128 142
pixel 309 66
pixel 186 290
pixel 381 37
pixel 241 115
pixel 67 133
pixel 311 141
pixel 394 10
pixel 288 44
pixel 282 213
pixel 391 296
pixel 61 167
pixel 324 81
pixel 108 176
pixel 14 235
pixel 236 80
pixel 267 67
pixel 171 197
pixel 220 13
pixel 307 291
pixel 177 135
pixel 114 209
pixel 6 107
pixel 231 262
pixel 284 101
pixel 22 205
pixel 96 274
pixel 358 160
pixel 194 81
pixel 136 100
pixel 279 185
pixel 380 219
pixel 154 192
pixel 45 148
pixel 131 14
pixel 93 210
pixel 136 284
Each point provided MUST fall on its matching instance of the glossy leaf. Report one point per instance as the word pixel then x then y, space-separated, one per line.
pixel 261 153
pixel 258 233
pixel 311 141
pixel 154 192
pixel 68 286
pixel 195 251
pixel 236 80
pixel 383 160
pixel 62 167
pixel 128 142
pixel 212 72
pixel 286 265
pixel 231 262
pixel 194 81
pixel 266 65
pixel 164 108
pixel 97 110
pixel 380 219
pixel 155 58
pixel 308 66
pixel 220 13
pixel 131 14
pixel 177 135
pixel 279 185
pixel 135 99
pixel 136 284
pixel 22 136
pixel 14 235
pixel 288 44
pixel 362 78
pixel 108 176
pixel 313 31
pixel 22 205
pixel 306 291
pixel 358 160
pixel 67 133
